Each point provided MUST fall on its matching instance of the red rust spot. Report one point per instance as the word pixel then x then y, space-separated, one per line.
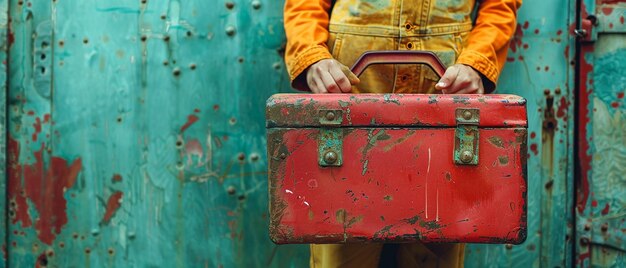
pixel 536 31
pixel 45 187
pixel 521 58
pixel 509 59
pixel 525 46
pixel 584 157
pixel 31 113
pixel 559 32
pixel 117 178
pixel 11 38
pixel 567 52
pixel 621 19
pixel 614 104
pixel 46 118
pixel 190 120
pixel 196 110
pixel 517 38
pixel 113 204
pixel 562 108
pixel 42 261
pixel 533 148
pixel 607 10
pixel 37 126
pixel 547 68
pixel 611 25
pixel 605 210
pixel 216 107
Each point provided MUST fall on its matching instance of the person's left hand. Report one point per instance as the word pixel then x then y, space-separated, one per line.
pixel 460 79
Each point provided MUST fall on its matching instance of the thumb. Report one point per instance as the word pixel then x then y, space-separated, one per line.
pixel 351 76
pixel 448 78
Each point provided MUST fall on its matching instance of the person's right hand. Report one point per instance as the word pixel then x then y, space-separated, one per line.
pixel 330 76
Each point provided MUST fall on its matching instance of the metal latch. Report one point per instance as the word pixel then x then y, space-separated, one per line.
pixel 466 136
pixel 330 139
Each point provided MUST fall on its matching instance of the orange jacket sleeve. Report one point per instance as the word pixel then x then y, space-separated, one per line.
pixel 306 28
pixel 487 44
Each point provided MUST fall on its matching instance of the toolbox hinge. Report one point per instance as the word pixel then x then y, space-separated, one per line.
pixel 330 138
pixel 466 136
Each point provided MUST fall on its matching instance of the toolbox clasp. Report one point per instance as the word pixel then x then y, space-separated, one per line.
pixel 330 139
pixel 466 136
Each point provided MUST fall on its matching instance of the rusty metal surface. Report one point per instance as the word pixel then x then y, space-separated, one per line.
pixel 601 184
pixel 133 139
pixel 540 68
pixel 398 181
pixel 4 43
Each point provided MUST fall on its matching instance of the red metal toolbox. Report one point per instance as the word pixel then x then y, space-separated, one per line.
pixel 391 167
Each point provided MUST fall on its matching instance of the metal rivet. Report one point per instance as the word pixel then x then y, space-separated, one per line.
pixel 230 30
pixel 509 246
pixel 467 156
pixel 283 155
pixel 467 115
pixel 256 4
pixel 557 91
pixel 584 241
pixel 587 227
pixel 330 116
pixel 330 157
pixel 604 227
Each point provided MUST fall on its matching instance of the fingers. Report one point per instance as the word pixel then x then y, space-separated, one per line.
pixel 465 80
pixel 330 76
pixel 448 78
pixel 351 76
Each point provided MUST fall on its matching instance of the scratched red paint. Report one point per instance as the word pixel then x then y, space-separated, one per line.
pixel 525 25
pixel 621 19
pixel 614 104
pixel 190 120
pixel 15 189
pixel 594 203
pixel 620 95
pixel 113 204
pixel 11 38
pixel 533 135
pixel 559 32
pixel 42 261
pixel 607 10
pixel 45 187
pixel 606 209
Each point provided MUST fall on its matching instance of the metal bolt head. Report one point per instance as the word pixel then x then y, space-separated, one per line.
pixel 467 156
pixel 283 155
pixel 256 4
pixel 508 246
pixel 230 30
pixel 467 115
pixel 330 116
pixel 330 157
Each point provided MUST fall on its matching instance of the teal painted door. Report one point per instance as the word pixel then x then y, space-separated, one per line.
pixel 601 152
pixel 136 135
pixel 540 67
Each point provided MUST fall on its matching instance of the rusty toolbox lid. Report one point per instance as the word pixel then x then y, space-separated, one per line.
pixel 396 110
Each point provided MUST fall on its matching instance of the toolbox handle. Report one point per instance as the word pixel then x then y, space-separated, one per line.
pixel 428 58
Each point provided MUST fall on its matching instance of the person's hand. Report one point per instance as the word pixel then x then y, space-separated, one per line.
pixel 330 76
pixel 460 79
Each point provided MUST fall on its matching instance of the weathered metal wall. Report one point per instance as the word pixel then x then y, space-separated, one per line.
pixel 4 25
pixel 601 183
pixel 540 68
pixel 136 133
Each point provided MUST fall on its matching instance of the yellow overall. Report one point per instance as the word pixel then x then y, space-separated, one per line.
pixel 344 29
